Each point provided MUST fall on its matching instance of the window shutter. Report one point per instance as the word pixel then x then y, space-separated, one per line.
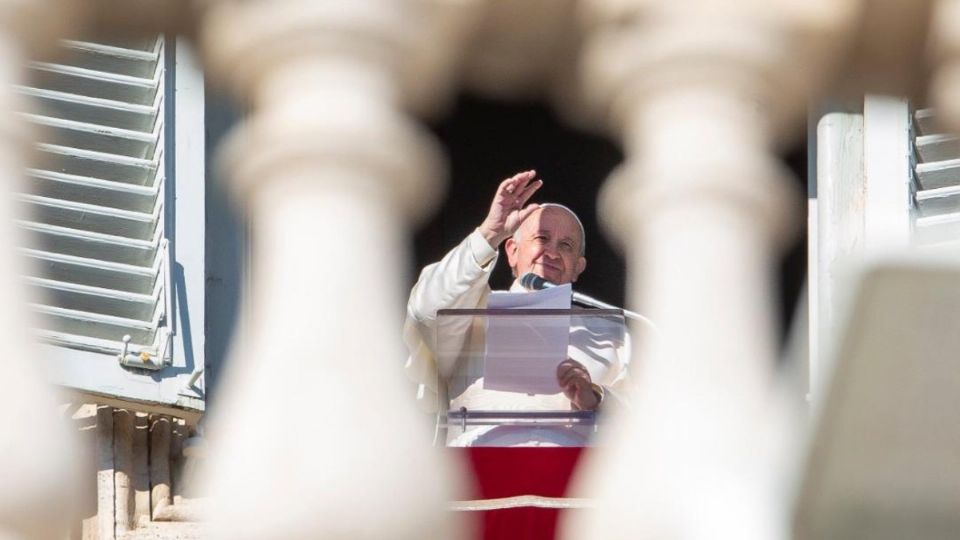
pixel 937 183
pixel 97 197
pixel 99 218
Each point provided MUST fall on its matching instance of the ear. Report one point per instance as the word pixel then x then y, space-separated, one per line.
pixel 510 246
pixel 580 267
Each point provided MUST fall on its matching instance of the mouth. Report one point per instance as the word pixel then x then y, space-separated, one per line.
pixel 549 268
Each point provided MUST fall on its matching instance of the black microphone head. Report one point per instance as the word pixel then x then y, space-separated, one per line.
pixel 533 282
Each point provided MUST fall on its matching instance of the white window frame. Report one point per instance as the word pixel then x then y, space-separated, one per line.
pixel 863 206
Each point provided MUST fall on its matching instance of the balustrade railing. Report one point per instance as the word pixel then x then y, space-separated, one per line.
pixel 333 170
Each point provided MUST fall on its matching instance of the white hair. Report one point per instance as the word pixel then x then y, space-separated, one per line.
pixel 583 234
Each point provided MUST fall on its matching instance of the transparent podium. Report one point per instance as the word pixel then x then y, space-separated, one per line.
pixel 498 373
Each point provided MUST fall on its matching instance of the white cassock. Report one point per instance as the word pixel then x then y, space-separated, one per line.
pixel 459 281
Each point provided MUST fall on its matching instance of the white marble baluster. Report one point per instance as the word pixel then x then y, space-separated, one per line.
pixel 700 93
pixel 944 50
pixel 38 458
pixel 315 435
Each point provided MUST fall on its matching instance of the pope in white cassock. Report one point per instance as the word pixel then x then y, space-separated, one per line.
pixel 547 240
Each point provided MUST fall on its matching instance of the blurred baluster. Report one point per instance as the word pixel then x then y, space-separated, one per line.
pixel 315 434
pixel 944 48
pixel 700 94
pixel 38 457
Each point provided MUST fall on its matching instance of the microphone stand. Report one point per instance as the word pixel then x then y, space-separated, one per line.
pixel 589 301
pixel 533 282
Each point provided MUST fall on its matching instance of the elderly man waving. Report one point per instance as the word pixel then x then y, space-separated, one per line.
pixel 545 239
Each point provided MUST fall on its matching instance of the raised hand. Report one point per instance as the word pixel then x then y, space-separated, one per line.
pixel 575 381
pixel 507 211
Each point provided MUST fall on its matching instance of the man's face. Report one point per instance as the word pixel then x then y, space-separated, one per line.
pixel 549 246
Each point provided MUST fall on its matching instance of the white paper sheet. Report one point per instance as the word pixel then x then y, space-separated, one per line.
pixel 522 353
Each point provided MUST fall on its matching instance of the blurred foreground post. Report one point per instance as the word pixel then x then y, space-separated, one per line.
pixel 38 460
pixel 316 435
pixel 700 93
pixel 944 49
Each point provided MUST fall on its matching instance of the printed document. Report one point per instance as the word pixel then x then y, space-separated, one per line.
pixel 523 352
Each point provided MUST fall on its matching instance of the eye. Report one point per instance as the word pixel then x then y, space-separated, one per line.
pixel 566 246
pixel 540 238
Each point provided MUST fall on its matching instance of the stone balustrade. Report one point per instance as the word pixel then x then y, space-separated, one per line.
pixel 333 170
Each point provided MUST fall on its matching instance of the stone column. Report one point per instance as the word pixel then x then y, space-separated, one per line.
pixel 106 467
pixel 123 461
pixel 315 435
pixel 160 480
pixel 699 94
pixel 141 469
pixel 38 461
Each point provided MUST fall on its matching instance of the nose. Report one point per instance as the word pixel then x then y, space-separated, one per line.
pixel 550 250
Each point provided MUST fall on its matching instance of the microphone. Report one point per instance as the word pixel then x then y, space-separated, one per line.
pixel 533 282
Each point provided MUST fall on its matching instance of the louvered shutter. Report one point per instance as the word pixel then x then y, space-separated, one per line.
pixel 937 182
pixel 97 200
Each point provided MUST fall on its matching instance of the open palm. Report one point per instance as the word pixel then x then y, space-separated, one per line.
pixel 507 211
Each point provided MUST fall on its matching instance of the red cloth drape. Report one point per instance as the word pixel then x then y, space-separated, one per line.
pixel 508 472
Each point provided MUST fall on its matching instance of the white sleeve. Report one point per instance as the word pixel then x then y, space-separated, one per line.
pixel 459 280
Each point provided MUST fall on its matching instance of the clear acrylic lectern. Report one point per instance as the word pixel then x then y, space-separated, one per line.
pixel 498 373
